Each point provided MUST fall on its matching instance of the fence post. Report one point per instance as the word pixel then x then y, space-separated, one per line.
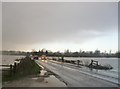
pixel 10 69
pixel 14 68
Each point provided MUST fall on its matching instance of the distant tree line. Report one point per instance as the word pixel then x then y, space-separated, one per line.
pixel 67 53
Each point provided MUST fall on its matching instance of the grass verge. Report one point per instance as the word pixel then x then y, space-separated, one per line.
pixel 24 68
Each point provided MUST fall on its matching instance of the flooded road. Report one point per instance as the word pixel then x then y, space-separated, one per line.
pixel 74 77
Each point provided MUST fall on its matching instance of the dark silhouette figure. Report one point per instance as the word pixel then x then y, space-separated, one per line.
pixel 62 58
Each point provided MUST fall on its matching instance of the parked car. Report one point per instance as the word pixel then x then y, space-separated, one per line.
pixel 35 57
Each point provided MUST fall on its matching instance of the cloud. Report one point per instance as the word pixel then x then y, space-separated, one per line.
pixel 33 23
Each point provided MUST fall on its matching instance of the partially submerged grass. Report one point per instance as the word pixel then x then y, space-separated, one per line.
pixel 24 68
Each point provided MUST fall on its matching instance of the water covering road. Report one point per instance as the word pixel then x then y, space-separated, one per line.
pixel 73 77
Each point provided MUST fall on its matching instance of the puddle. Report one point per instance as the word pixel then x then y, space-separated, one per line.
pixel 42 72
pixel 41 78
pixel 46 77
pixel 35 78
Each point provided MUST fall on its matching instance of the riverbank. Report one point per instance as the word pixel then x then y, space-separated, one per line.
pixel 28 73
pixel 20 69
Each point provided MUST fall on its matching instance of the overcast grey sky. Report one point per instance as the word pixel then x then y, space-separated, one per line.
pixel 60 26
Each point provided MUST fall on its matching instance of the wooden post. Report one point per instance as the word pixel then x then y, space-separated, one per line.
pixel 97 63
pixel 10 69
pixel 91 63
pixel 14 68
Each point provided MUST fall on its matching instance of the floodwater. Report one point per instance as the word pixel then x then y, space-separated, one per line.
pixel 113 73
pixel 9 59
